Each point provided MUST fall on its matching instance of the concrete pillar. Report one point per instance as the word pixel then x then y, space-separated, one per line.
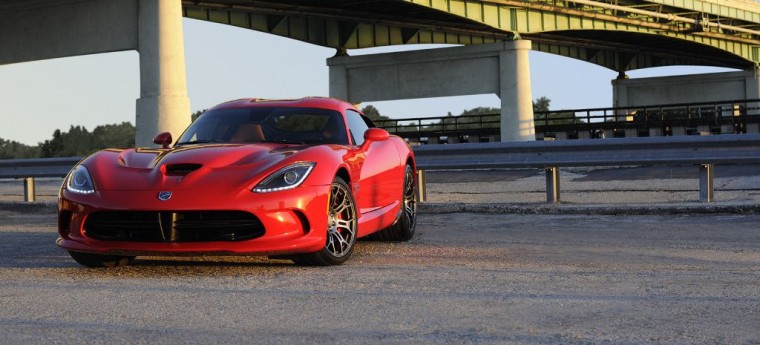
pixel 163 105
pixel 339 82
pixel 514 91
pixel 752 84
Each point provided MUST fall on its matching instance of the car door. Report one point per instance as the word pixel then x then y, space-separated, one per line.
pixel 377 165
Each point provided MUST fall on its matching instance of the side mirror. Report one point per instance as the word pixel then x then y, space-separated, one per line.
pixel 164 139
pixel 376 134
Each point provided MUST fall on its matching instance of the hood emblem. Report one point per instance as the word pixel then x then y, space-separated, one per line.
pixel 163 196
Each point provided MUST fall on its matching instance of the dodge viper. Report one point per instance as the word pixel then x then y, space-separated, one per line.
pixel 299 179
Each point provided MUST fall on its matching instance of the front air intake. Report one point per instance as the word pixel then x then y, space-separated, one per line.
pixel 184 226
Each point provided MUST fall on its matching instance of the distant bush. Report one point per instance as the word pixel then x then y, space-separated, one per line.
pixel 14 149
pixel 80 142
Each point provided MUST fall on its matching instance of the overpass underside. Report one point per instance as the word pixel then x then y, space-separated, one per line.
pixel 620 35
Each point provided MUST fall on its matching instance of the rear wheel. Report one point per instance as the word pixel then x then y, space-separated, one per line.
pixel 341 229
pixel 99 260
pixel 403 229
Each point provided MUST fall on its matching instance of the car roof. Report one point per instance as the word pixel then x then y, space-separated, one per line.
pixel 306 102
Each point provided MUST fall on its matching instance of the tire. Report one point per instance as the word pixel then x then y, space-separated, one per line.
pixel 99 260
pixel 342 220
pixel 403 229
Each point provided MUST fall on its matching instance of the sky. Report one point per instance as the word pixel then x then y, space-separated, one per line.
pixel 225 63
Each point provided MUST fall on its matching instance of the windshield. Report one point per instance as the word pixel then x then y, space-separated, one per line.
pixel 282 125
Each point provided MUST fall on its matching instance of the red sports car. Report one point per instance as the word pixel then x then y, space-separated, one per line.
pixel 301 179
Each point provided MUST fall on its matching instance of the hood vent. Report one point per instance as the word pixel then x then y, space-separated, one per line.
pixel 181 169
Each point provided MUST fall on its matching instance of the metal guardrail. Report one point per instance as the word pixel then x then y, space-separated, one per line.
pixel 37 167
pixel 702 151
pixel 29 169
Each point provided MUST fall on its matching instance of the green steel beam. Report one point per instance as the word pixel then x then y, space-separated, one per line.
pixel 618 34
pixel 748 10
pixel 339 29
pixel 571 24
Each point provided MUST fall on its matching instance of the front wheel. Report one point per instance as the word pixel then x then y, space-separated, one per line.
pixel 100 260
pixel 341 229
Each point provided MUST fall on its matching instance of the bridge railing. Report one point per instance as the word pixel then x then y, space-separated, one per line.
pixel 713 117
pixel 701 151
pixel 428 126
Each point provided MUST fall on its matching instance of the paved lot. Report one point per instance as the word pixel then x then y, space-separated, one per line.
pixel 465 278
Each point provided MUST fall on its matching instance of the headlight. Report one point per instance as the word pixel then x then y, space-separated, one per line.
pixel 288 177
pixel 79 181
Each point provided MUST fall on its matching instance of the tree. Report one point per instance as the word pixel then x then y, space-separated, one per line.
pixel 52 147
pixel 544 116
pixel 121 135
pixel 481 111
pixel 195 115
pixel 78 141
pixel 13 150
pixel 373 114
pixel 541 104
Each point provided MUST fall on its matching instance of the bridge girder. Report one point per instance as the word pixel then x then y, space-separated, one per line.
pixel 621 35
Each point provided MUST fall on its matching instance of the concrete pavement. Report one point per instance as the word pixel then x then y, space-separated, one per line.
pixel 463 279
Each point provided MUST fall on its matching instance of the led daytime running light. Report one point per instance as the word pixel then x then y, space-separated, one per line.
pixel 286 178
pixel 79 181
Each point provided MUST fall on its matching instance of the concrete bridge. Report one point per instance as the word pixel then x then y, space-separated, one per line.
pixel 621 35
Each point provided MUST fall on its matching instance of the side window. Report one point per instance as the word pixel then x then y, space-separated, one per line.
pixel 357 126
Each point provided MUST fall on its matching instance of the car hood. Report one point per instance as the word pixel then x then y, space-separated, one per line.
pixel 222 167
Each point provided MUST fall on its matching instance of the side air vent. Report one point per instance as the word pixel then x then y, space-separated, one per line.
pixel 181 169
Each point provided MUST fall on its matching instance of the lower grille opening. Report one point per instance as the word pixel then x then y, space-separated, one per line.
pixel 64 223
pixel 184 226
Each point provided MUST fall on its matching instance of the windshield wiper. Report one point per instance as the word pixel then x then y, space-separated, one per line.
pixel 193 142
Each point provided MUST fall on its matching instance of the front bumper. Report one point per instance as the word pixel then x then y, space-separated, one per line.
pixel 294 221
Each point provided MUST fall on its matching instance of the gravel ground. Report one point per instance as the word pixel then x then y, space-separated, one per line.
pixel 464 279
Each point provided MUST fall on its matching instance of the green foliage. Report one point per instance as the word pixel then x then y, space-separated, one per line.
pixel 481 111
pixel 78 141
pixel 13 149
pixel 558 118
pixel 195 115
pixel 541 104
pixel 543 116
pixel 373 114
pixel 121 135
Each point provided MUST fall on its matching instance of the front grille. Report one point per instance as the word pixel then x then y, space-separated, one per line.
pixel 186 226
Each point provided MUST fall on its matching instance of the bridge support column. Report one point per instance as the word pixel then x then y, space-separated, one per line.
pixel 500 68
pixel 163 105
pixel 517 122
